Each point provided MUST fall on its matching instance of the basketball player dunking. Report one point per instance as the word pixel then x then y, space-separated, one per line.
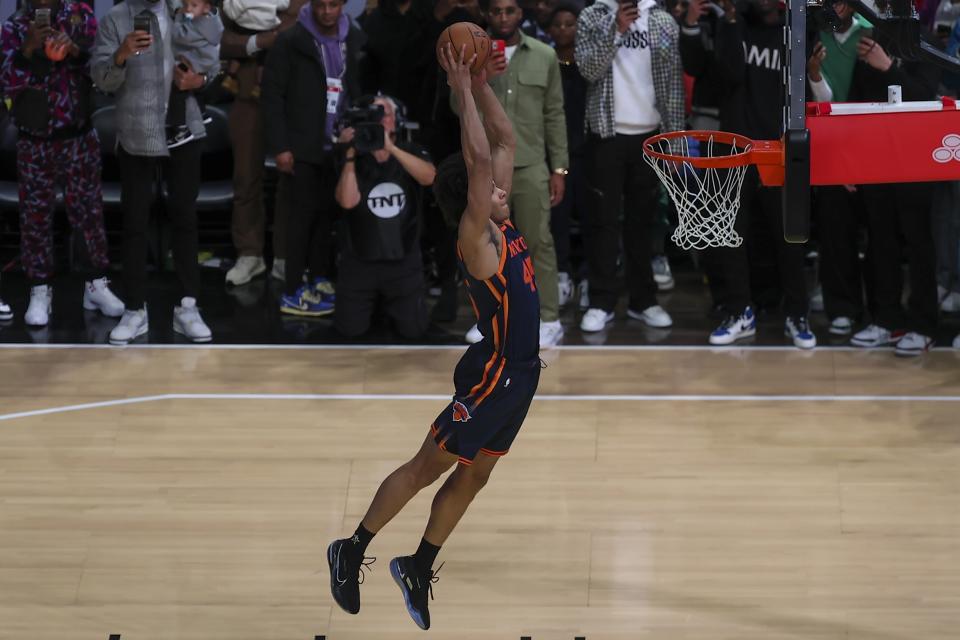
pixel 495 379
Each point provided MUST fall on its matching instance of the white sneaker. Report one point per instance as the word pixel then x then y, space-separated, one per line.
pixel 913 344
pixel 661 273
pixel 279 270
pixel 841 326
pixel 565 287
pixel 583 293
pixel 132 325
pixel 473 335
pixel 595 320
pixel 798 330
pixel 246 269
pixel 816 300
pixel 735 328
pixel 187 321
pixel 551 333
pixel 6 313
pixel 41 306
pixel 98 297
pixel 873 336
pixel 950 303
pixel 956 342
pixel 654 316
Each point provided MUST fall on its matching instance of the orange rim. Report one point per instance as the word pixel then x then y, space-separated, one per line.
pixel 759 152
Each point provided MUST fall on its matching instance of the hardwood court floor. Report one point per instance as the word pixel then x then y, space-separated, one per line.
pixel 206 516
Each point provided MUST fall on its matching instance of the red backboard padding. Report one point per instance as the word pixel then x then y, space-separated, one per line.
pixel 884 147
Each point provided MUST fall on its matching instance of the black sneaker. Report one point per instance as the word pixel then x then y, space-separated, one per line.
pixel 414 587
pixel 206 118
pixel 346 575
pixel 178 137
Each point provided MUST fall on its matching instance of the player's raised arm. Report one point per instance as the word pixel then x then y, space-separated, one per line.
pixel 503 142
pixel 480 249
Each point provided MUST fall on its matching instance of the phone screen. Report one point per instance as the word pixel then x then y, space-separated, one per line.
pixel 141 23
pixel 42 17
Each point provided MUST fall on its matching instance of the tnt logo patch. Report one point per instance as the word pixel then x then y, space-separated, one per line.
pixel 386 200
pixel 460 412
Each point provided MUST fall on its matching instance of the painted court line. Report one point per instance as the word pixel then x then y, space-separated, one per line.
pixel 441 347
pixel 445 398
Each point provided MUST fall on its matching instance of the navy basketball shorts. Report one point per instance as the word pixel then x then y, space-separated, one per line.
pixel 491 401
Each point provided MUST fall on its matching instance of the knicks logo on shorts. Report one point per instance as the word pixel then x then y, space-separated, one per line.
pixel 460 412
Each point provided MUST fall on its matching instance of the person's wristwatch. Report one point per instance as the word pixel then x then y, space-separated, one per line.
pixel 560 171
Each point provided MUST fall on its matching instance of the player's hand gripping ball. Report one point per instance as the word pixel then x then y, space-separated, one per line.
pixel 469 35
pixel 55 50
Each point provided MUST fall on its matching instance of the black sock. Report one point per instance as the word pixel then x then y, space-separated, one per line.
pixel 424 557
pixel 361 538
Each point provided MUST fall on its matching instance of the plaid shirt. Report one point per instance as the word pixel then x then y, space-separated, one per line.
pixel 597 45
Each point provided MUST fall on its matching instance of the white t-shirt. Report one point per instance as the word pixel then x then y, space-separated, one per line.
pixel 634 98
pixel 509 51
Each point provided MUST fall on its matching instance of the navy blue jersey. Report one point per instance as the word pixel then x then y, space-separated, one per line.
pixel 507 304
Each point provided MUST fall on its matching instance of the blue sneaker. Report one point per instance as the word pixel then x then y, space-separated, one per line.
pixel 305 303
pixel 415 588
pixel 323 288
pixel 735 328
pixel 798 329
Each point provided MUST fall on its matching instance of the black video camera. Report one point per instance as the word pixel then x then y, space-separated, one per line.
pixel 368 130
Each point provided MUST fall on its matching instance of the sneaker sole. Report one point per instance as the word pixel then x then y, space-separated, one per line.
pixel 414 614
pixel 639 316
pixel 6 316
pixel 840 332
pixel 181 143
pixel 666 286
pixel 749 333
pixel 605 323
pixel 180 331
pixel 140 332
pixel 305 314
pixel 38 325
pixel 333 592
pixel 256 274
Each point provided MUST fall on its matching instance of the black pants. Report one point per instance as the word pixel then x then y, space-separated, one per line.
pixel 575 205
pixel 733 264
pixel 898 222
pixel 397 284
pixel 838 220
pixel 621 181
pixel 138 176
pixel 310 225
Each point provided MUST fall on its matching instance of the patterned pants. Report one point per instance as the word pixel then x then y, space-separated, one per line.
pixel 44 167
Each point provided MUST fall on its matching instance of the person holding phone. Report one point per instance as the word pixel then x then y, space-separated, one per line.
pixel 137 65
pixel 45 50
pixel 196 45
pixel 629 55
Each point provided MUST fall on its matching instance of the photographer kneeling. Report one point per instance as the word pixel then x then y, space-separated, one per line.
pixel 380 190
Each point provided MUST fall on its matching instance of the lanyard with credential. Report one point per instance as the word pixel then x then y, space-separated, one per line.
pixel 334 84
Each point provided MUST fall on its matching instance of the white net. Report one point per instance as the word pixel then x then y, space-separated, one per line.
pixel 707 200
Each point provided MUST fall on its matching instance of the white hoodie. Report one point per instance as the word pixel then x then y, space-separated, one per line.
pixel 634 98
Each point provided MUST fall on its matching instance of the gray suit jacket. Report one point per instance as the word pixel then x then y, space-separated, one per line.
pixel 142 85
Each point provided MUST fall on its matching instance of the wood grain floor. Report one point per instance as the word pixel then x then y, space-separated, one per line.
pixel 194 518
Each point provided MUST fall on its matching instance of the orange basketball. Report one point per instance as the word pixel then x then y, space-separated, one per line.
pixel 469 35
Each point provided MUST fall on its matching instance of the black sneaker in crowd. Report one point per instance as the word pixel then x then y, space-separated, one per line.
pixel 206 117
pixel 179 136
pixel 415 588
pixel 346 574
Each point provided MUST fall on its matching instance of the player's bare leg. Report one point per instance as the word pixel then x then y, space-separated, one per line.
pixel 400 486
pixel 414 574
pixel 346 556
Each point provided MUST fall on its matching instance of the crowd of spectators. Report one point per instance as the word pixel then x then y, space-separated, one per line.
pixel 354 114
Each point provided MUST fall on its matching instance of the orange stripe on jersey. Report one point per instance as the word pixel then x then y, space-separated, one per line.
pixel 486 372
pixel 493 290
pixel 506 318
pixel 495 454
pixel 493 384
pixel 504 250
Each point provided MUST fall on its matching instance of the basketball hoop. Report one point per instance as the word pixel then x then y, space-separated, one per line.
pixel 703 172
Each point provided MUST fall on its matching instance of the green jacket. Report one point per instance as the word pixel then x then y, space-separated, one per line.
pixel 532 95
